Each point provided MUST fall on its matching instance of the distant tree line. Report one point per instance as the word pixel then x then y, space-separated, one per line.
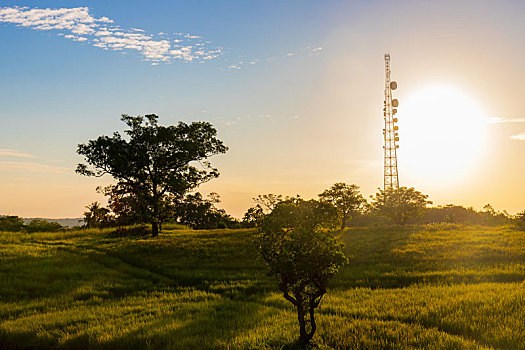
pixel 400 206
pixel 16 224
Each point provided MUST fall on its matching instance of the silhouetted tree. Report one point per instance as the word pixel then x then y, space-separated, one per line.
pixel 97 216
pixel 493 217
pixel 264 204
pixel 399 205
pixel 155 161
pixel 267 202
pixel 201 213
pixel 253 216
pixel 303 254
pixel 125 204
pixel 346 198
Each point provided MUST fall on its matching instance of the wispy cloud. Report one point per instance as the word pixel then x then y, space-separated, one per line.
pixel 261 119
pixel 518 137
pixel 31 167
pixel 307 51
pixel 497 120
pixel 79 25
pixel 6 152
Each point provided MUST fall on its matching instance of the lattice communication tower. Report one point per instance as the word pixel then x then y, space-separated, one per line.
pixel 390 132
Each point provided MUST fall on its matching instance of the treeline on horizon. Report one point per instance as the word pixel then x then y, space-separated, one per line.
pixel 198 212
pixel 403 206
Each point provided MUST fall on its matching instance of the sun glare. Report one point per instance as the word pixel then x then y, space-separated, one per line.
pixel 442 134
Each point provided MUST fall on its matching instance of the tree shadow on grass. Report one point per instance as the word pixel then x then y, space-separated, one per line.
pixel 212 327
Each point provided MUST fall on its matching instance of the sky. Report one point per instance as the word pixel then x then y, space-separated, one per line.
pixel 295 90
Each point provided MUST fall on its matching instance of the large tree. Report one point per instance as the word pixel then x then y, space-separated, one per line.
pixel 303 253
pixel 346 198
pixel 398 205
pixel 154 162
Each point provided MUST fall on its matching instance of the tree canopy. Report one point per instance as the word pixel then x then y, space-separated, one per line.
pixel 398 205
pixel 346 198
pixel 154 162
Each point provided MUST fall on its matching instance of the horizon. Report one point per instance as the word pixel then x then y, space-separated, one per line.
pixel 295 92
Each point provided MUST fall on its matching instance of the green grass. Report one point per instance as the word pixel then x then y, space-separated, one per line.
pixel 440 287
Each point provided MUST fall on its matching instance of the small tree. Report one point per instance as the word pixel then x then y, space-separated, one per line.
pixel 303 254
pixel 346 198
pixel 400 204
pixel 154 162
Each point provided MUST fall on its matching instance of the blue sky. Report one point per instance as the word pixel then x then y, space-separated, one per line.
pixel 294 89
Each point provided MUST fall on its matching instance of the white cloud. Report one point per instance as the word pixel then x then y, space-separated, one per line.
pixel 31 167
pixel 77 24
pixel 75 38
pixel 233 66
pixel 518 137
pixel 6 152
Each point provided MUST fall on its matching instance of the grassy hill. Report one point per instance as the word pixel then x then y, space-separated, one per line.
pixel 445 287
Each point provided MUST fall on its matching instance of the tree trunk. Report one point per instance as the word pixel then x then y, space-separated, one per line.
pixel 303 335
pixel 154 229
pixel 312 322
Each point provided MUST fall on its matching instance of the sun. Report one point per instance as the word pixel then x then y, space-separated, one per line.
pixel 443 134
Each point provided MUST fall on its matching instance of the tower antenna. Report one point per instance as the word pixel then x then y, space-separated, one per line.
pixel 390 132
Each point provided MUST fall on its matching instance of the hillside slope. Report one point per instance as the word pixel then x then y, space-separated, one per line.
pixel 435 286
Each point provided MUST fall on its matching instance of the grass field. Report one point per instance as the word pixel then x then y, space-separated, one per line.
pixel 439 287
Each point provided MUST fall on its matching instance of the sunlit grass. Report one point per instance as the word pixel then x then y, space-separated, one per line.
pixel 447 287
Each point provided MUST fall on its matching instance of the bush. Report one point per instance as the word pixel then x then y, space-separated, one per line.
pixel 131 231
pixel 520 220
pixel 11 224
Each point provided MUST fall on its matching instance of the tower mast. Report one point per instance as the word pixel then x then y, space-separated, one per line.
pixel 390 132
